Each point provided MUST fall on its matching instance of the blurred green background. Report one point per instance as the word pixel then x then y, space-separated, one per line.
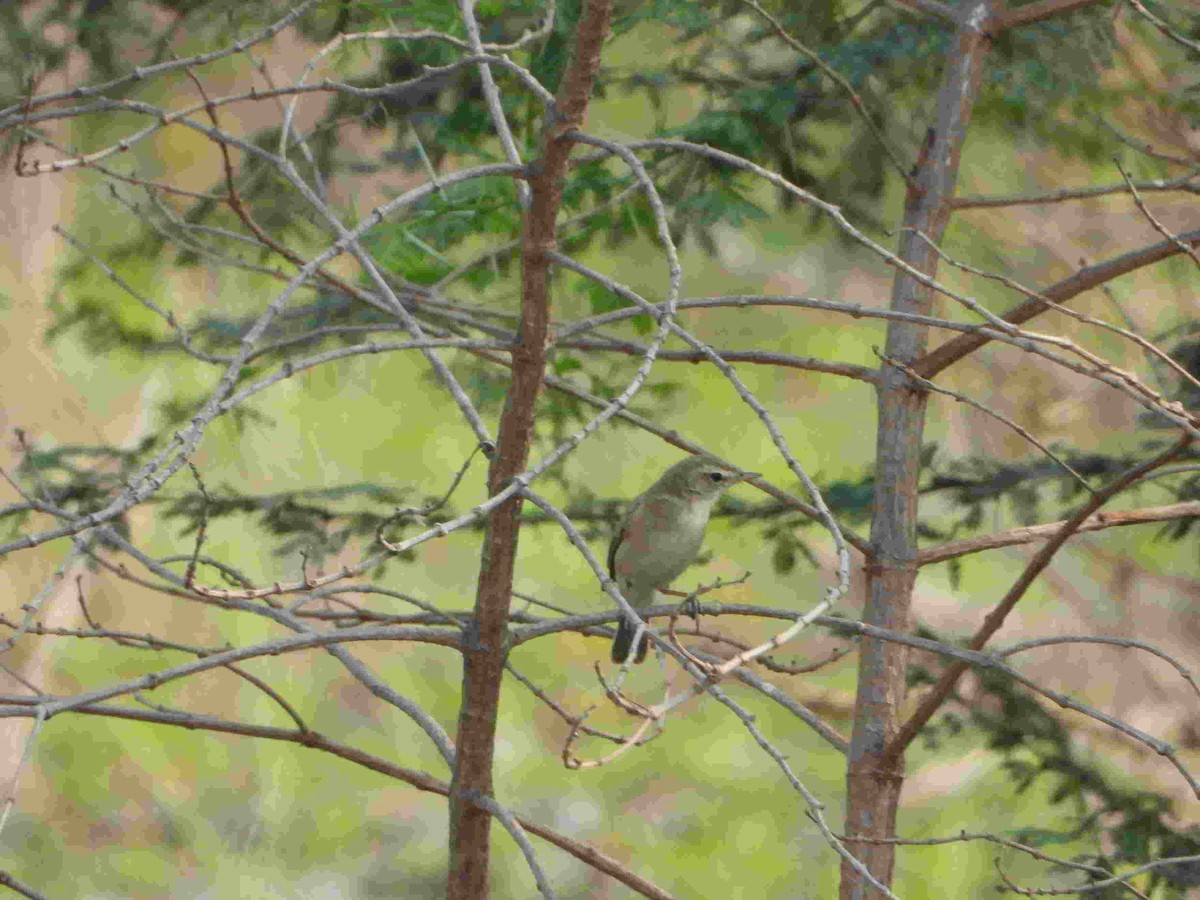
pixel 120 809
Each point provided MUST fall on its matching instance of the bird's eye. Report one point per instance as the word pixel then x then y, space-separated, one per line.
pixel 716 476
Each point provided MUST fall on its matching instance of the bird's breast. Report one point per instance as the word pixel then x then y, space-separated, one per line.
pixel 661 541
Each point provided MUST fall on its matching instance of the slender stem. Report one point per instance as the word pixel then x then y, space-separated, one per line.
pixel 933 701
pixel 1036 12
pixel 1031 533
pixel 485 648
pixel 873 784
pixel 1085 279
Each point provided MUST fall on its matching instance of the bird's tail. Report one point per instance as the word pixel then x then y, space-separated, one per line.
pixel 623 643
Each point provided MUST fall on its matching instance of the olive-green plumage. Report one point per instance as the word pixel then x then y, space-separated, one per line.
pixel 661 534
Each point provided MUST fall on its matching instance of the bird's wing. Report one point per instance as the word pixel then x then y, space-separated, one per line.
pixel 619 537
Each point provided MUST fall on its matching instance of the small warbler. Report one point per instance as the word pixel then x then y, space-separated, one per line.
pixel 661 534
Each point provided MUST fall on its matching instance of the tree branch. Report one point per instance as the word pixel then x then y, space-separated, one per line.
pixel 937 695
pixel 317 741
pixel 484 646
pixel 1036 12
pixel 873 782
pixel 1085 279
pixel 932 8
pixel 1186 183
pixel 1032 533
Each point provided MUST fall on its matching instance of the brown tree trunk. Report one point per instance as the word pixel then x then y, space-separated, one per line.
pixel 484 647
pixel 873 789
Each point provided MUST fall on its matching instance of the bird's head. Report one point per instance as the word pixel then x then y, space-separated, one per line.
pixel 700 477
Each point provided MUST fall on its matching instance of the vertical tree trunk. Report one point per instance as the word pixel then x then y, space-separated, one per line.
pixel 484 645
pixel 873 790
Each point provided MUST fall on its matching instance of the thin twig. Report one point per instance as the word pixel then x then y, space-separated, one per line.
pixel 937 695
pixel 963 398
pixel 1150 217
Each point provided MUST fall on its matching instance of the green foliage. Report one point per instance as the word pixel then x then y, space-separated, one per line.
pixel 748 91
pixel 973 491
pixel 104 327
pixel 550 61
pixel 178 410
pixel 316 523
pixel 1125 825
pixel 787 548
pixel 976 486
pixel 724 78
pixel 76 478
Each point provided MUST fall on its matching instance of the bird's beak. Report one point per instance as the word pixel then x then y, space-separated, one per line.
pixel 746 476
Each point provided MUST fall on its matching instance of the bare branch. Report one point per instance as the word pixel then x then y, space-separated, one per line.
pixel 836 77
pixel 8 880
pixel 933 8
pixel 9 800
pixel 937 695
pixel 491 96
pixel 314 740
pixel 1120 880
pixel 1085 279
pixel 759 357
pixel 1163 28
pixel 172 457
pixel 963 398
pixel 483 652
pixel 141 73
pixel 432 729
pixel 1186 183
pixel 1146 346
pixel 1017 16
pixel 1032 533
pixel 1150 217
pixel 994 839
pixel 1179 667
pixel 266 648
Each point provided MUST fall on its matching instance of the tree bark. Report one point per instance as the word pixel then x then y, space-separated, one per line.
pixel 484 645
pixel 873 789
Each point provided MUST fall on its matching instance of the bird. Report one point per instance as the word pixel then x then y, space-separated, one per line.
pixel 660 535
